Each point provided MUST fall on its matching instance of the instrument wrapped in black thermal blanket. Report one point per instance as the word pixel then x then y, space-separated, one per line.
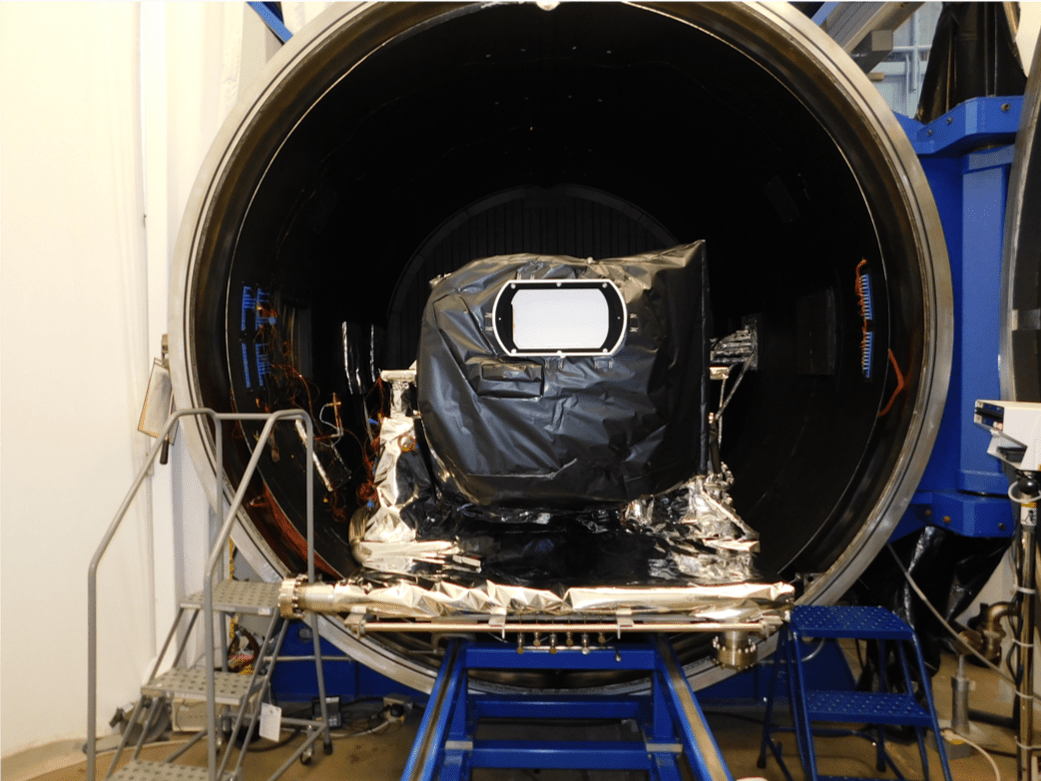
pixel 548 381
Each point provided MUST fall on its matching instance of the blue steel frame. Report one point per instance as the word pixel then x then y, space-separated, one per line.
pixel 670 719
pixel 963 489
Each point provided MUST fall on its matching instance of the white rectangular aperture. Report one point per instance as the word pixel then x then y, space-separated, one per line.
pixel 562 318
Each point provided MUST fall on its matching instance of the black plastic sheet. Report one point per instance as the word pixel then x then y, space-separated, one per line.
pixel 689 535
pixel 973 55
pixel 597 467
pixel 950 569
pixel 574 431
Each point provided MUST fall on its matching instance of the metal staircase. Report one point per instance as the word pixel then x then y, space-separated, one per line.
pixel 222 690
pixel 875 709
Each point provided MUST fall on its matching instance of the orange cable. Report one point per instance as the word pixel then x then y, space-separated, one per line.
pixel 900 385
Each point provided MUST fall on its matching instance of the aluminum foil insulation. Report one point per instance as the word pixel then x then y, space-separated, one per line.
pixel 449 529
pixel 697 551
pixel 400 598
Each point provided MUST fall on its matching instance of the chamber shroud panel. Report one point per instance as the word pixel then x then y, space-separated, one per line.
pixel 395 143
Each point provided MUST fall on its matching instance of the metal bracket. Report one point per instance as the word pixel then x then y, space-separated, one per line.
pixel 498 621
pixel 355 621
pixel 624 620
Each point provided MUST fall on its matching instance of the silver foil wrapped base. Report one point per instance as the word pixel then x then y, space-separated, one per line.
pixel 678 561
pixel 688 536
pixel 494 606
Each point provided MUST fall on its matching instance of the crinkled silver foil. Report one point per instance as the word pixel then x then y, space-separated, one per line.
pixel 381 539
pixel 705 570
pixel 730 602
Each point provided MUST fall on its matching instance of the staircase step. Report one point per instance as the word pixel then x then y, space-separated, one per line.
pixel 865 623
pixel 239 596
pixel 230 688
pixel 137 770
pixel 866 707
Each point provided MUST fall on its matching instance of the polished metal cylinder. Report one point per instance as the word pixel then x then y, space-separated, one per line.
pixel 961 685
pixel 1026 543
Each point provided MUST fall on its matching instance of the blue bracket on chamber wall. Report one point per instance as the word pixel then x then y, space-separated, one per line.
pixel 969 125
pixel 271 14
pixel 963 489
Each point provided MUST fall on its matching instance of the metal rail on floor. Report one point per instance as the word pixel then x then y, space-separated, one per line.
pixel 671 721
pixel 212 564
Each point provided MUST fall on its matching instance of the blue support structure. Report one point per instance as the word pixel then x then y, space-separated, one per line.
pixel 271 14
pixel 963 489
pixel 669 718
pixel 294 679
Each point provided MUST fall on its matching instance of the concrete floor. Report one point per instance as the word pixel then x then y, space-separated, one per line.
pixel 380 757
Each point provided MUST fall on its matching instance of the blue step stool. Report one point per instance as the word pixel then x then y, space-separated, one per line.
pixel 875 709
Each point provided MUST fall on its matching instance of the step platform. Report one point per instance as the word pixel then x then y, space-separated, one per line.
pixel 237 596
pixel 161 771
pixel 876 709
pixel 229 688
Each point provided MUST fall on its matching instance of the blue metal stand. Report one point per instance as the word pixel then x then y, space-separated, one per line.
pixel 875 709
pixel 670 719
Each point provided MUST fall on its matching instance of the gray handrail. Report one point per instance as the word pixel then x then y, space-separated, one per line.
pixel 211 564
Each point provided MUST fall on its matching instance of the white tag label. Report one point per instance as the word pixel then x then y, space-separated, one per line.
pixel 270 721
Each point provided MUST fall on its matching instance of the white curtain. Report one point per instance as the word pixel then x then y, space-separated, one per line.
pixel 107 113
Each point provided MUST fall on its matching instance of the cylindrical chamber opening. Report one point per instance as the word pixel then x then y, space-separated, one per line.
pixel 397 143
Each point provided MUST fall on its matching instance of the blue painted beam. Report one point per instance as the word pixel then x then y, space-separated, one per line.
pixel 967 126
pixel 703 754
pixel 670 720
pixel 967 156
pixel 428 750
pixel 822 13
pixel 273 21
pixel 544 706
pixel 505 658
pixel 561 754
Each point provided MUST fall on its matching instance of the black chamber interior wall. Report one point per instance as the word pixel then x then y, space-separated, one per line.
pixel 589 131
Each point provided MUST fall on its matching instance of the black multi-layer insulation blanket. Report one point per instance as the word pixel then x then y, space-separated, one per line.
pixel 571 430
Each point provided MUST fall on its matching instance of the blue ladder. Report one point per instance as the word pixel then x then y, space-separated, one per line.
pixel 875 709
pixel 672 723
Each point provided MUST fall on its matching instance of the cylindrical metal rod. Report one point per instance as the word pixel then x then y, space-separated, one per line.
pixel 960 685
pixel 1025 647
pixel 218 549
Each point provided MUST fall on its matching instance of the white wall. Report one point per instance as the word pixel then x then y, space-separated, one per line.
pixel 73 325
pixel 1029 32
pixel 106 112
